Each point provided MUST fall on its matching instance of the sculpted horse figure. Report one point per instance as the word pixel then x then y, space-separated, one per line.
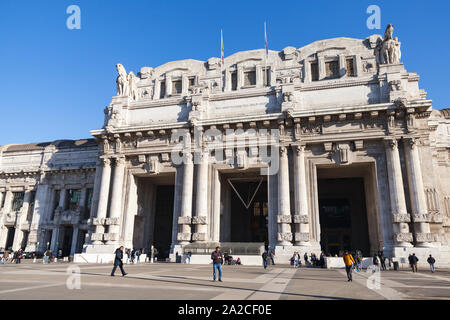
pixel 121 81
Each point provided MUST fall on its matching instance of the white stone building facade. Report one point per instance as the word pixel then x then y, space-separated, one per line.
pixel 358 159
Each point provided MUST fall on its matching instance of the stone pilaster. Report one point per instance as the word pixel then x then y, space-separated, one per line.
pixel 201 216
pixel 185 219
pixel 301 198
pixel 400 216
pixel 116 202
pixel 417 195
pixel 284 217
pixel 102 208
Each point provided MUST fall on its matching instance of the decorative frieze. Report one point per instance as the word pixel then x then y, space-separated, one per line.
pixel 301 218
pixel 403 237
pixel 184 220
pixel 302 236
pixel 397 218
pixel 97 236
pixel 112 221
pixel 424 237
pixel 284 236
pixel 199 236
pixel 199 220
pixel 111 236
pixel 183 236
pixel 98 221
pixel 421 217
pixel 284 218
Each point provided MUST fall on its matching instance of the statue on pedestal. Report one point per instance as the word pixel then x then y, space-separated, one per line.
pixel 388 49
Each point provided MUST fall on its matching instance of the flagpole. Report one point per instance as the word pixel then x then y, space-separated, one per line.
pixel 265 56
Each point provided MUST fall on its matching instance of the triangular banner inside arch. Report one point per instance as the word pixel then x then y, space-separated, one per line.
pixel 240 194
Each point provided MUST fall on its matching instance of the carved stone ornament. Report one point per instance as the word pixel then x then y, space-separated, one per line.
pixel 199 220
pixel 112 221
pixel 97 236
pixel 397 218
pixel 389 48
pixel 285 236
pixel 184 220
pixel 111 236
pixel 301 218
pixel 437 218
pixel 98 221
pixel 423 217
pixel 424 237
pixel 302 236
pixel 184 236
pixel 284 218
pixel 197 236
pixel 126 84
pixel 403 237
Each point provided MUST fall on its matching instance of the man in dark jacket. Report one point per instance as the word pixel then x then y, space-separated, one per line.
pixel 217 259
pixel 382 260
pixel 414 261
pixel 431 261
pixel 264 257
pixel 118 262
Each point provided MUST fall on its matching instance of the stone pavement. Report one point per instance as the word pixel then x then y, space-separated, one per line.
pixel 168 281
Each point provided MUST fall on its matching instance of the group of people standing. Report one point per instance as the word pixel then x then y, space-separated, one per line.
pixel 133 255
pixel 16 258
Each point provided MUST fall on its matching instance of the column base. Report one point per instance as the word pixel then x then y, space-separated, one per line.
pixel 305 244
pixel 425 245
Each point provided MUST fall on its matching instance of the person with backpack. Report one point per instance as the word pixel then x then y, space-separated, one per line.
pixel 413 262
pixel 375 260
pixel 431 261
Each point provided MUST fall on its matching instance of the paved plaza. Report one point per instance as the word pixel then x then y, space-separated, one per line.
pixel 169 281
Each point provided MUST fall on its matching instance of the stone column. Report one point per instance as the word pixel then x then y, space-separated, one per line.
pixel 284 218
pixel 73 248
pixel 62 199
pixel 97 237
pixel 18 235
pixel 8 201
pixel 301 219
pixel 82 204
pixel 116 202
pixel 186 201
pixel 55 239
pixel 201 215
pixel 400 216
pixel 419 209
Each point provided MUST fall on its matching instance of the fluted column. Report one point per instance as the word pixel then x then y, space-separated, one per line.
pixel 419 208
pixel 201 215
pixel 400 216
pixel 184 236
pixel 301 198
pixel 284 218
pixel 116 202
pixel 102 208
pixel 8 201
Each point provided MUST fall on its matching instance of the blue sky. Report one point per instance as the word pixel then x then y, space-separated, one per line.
pixel 56 82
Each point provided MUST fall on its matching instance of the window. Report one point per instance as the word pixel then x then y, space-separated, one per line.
pixel 191 82
pixel 17 200
pixel 88 204
pixel 314 71
pixel 74 199
pixel 176 87
pixel 331 69
pixel 250 78
pixel 162 89
pixel 234 80
pixel 2 199
pixel 266 76
pixel 350 67
pixel 31 205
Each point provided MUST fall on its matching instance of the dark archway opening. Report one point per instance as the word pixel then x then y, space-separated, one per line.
pixel 163 221
pixel 343 216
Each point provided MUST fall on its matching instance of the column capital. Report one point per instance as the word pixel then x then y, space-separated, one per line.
pixel 299 148
pixel 391 142
pixel 105 162
pixel 120 160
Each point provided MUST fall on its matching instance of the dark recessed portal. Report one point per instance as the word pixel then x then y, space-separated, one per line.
pixel 67 241
pixel 343 216
pixel 10 237
pixel 249 224
pixel 163 221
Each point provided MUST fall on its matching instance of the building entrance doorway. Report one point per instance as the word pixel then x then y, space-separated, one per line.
pixel 67 241
pixel 10 238
pixel 346 210
pixel 163 221
pixel 249 210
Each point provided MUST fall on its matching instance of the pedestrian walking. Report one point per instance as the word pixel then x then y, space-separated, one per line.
pixel 349 262
pixel 264 257
pixel 118 262
pixel 382 260
pixel 138 255
pixel 5 257
pixel 375 260
pixel 305 257
pixel 272 255
pixel 188 257
pixel 431 261
pixel 217 260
